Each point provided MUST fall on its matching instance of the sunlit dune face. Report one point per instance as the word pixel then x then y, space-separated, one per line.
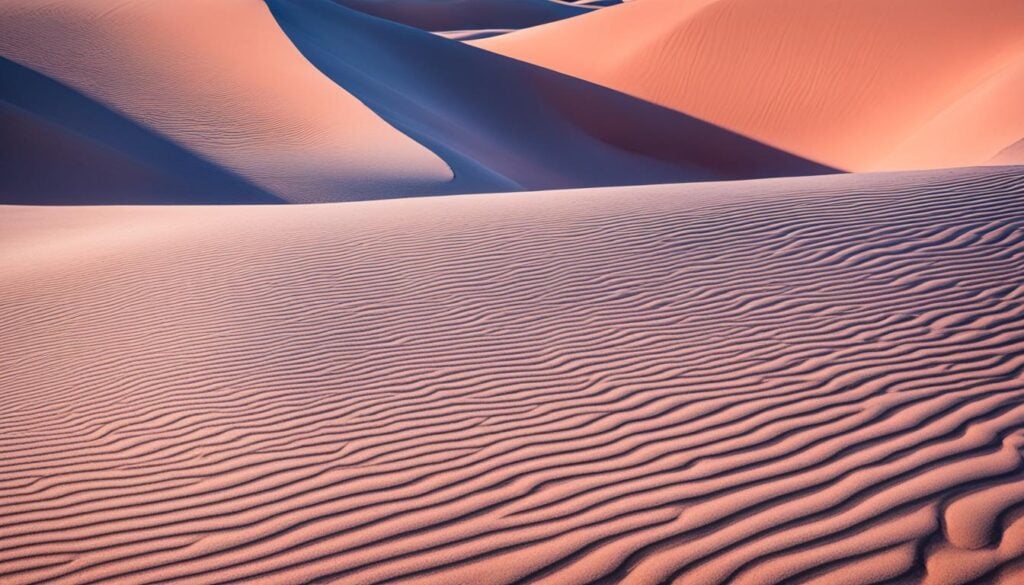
pixel 856 85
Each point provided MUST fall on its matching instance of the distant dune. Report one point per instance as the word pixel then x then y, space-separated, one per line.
pixel 220 79
pixel 62 147
pixel 857 85
pixel 499 122
pixel 357 108
pixel 447 15
pixel 159 101
pixel 781 381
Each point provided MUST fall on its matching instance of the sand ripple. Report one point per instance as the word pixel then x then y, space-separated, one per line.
pixel 785 381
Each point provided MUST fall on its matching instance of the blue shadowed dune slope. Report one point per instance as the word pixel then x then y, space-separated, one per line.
pixel 62 147
pixel 483 112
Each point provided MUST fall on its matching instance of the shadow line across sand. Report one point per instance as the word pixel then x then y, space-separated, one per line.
pixel 500 124
pixel 63 147
pixel 487 114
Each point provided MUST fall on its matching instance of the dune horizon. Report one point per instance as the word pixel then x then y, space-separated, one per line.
pixel 495 292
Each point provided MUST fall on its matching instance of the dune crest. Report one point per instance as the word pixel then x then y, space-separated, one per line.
pixel 62 147
pixel 796 380
pixel 499 122
pixel 449 15
pixel 863 85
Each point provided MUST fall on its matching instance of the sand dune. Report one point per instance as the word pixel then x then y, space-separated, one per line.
pixel 864 85
pixel 238 96
pixel 781 381
pixel 1014 152
pixel 71 149
pixel 369 108
pixel 488 116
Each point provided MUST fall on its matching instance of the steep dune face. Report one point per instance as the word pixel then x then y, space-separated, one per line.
pixel 488 115
pixel 786 381
pixel 863 85
pixel 450 15
pixel 312 101
pixel 369 108
pixel 221 80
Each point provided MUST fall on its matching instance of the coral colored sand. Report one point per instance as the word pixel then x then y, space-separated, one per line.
pixel 778 381
pixel 854 84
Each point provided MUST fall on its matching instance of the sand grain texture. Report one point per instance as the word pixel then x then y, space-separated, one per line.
pixel 780 381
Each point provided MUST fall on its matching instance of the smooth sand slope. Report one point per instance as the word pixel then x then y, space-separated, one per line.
pixel 858 85
pixel 223 81
pixel 783 381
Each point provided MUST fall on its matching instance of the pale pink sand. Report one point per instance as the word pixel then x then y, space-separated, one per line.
pixel 222 79
pixel 858 85
pixel 782 381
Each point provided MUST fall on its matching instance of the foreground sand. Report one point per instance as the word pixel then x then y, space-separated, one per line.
pixel 795 380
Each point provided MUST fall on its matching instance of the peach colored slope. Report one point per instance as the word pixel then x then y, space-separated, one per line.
pixel 858 85
pixel 221 79
pixel 782 381
pixel 488 114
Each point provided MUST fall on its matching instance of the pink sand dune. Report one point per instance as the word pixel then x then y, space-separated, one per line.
pixel 222 80
pixel 811 380
pixel 489 116
pixel 312 101
pixel 63 147
pixel 857 85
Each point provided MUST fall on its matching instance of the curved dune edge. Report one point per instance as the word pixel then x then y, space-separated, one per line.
pixel 866 85
pixel 794 380
pixel 500 123
pixel 238 95
pixel 69 149
pixel 448 15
